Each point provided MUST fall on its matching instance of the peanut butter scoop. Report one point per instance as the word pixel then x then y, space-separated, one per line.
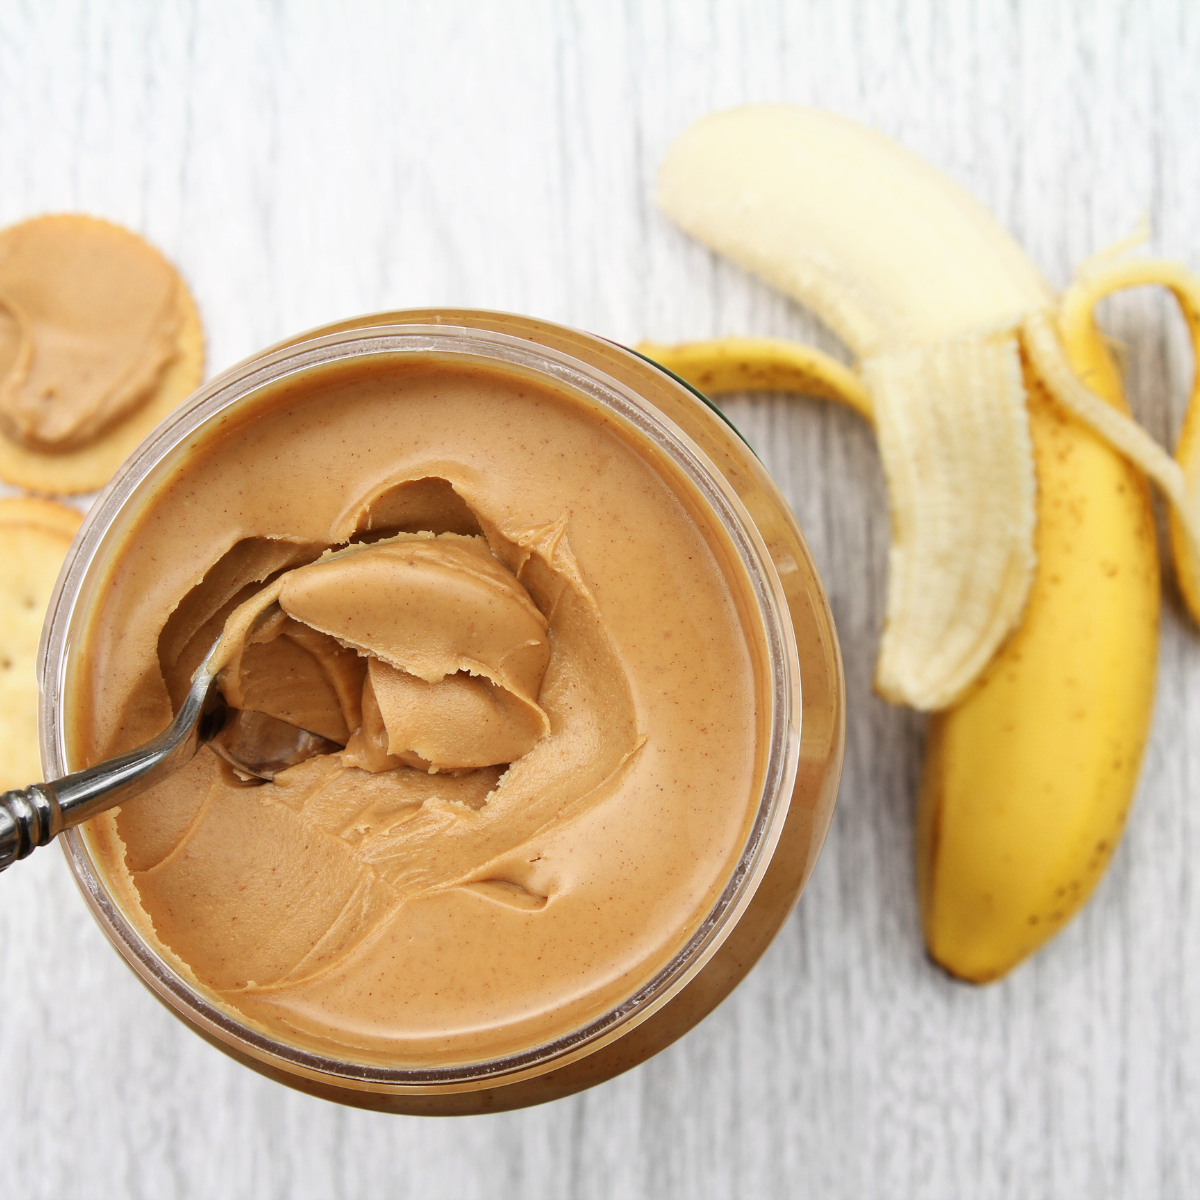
pixel 89 318
pixel 418 651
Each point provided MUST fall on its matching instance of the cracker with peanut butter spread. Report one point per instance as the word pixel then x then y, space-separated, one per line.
pixel 99 340
pixel 34 537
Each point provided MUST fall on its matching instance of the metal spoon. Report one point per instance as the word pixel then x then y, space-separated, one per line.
pixel 256 745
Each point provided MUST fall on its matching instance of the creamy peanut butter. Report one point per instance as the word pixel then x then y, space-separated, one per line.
pixel 89 323
pixel 538 652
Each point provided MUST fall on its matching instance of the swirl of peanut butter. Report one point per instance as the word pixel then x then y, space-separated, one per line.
pixel 89 317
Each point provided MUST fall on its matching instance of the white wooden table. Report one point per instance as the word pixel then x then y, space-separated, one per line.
pixel 304 162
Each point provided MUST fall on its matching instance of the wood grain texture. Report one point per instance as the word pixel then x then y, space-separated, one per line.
pixel 304 162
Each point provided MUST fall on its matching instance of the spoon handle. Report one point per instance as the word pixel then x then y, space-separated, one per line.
pixel 33 816
pixel 30 817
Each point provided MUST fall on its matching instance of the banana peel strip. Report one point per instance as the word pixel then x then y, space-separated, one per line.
pixel 1121 432
pixel 1178 477
pixel 738 364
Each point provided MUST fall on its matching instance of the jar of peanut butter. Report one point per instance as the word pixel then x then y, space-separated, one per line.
pixel 576 658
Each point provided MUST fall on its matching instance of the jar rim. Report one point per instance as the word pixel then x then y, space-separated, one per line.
pixel 120 502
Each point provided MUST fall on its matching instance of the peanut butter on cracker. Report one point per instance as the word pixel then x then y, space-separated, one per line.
pixel 99 339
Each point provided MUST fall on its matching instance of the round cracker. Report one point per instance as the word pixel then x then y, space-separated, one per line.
pixel 91 466
pixel 34 538
pixel 42 514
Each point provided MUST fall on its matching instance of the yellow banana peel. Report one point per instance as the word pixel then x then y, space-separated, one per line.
pixel 742 364
pixel 1101 277
pixel 1039 725
pixel 1028 779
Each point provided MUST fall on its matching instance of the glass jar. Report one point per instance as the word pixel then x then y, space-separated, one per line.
pixel 803 758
